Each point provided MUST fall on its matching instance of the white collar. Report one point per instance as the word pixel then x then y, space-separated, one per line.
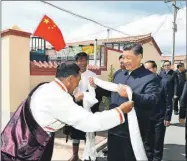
pixel 85 71
pixel 61 84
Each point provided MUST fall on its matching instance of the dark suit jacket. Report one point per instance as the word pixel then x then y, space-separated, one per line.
pixel 180 81
pixel 145 87
pixel 118 71
pixel 172 80
pixel 183 103
pixel 163 110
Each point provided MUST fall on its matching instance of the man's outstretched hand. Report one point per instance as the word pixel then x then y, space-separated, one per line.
pixel 122 90
pixel 91 81
pixel 79 96
pixel 126 107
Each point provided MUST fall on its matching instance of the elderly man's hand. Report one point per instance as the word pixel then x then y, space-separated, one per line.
pixel 126 107
pixel 122 90
pixel 79 96
pixel 91 81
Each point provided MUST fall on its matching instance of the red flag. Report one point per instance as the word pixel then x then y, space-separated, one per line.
pixel 50 32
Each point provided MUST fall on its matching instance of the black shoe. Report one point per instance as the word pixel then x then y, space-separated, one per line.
pixel 105 152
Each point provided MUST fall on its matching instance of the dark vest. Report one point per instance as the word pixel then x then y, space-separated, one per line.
pixel 23 139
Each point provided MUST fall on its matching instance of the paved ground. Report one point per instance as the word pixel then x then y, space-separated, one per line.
pixel 63 150
pixel 174 144
pixel 174 141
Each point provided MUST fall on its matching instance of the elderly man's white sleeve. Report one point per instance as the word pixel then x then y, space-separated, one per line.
pixel 67 111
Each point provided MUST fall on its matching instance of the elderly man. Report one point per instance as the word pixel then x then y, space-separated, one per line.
pixel 29 134
pixel 160 118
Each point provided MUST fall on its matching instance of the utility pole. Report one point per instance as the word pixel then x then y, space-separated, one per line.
pixel 108 34
pixel 95 52
pixel 175 9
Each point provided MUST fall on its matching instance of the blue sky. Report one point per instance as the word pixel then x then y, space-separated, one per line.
pixel 145 6
pixel 116 14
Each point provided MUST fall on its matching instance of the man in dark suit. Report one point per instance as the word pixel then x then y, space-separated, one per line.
pixel 160 119
pixel 179 85
pixel 169 75
pixel 144 85
pixel 183 110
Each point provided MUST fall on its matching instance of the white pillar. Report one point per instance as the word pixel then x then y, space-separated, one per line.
pixel 5 82
pixel 15 65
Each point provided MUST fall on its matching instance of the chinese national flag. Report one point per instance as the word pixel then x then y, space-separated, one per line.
pixel 50 32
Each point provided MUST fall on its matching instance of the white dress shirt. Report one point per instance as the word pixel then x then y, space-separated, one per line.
pixel 53 107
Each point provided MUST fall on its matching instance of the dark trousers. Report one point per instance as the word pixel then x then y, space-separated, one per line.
pixel 186 140
pixel 155 140
pixel 175 103
pixel 120 149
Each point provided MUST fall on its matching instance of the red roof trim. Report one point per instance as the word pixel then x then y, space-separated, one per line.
pixel 138 38
pixel 49 68
pixel 16 33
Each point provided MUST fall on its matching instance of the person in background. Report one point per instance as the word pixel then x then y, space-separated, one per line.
pixel 29 135
pixel 160 118
pixel 122 66
pixel 183 110
pixel 77 135
pixel 179 85
pixel 169 75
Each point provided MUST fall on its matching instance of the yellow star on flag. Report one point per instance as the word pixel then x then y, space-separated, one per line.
pixel 46 21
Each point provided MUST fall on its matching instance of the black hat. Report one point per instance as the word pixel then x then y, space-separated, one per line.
pixel 67 69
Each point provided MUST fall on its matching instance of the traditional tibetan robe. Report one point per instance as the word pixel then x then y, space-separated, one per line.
pixel 23 139
pixel 29 135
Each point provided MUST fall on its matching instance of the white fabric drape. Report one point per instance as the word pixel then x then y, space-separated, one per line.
pixel 135 136
pixel 90 147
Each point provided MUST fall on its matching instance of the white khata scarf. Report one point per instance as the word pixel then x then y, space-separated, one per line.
pixel 135 136
pixel 90 148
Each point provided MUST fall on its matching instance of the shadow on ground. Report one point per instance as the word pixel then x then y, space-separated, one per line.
pixel 174 152
pixel 178 125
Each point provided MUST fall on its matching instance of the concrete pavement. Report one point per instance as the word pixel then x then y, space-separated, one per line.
pixel 174 141
pixel 63 150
